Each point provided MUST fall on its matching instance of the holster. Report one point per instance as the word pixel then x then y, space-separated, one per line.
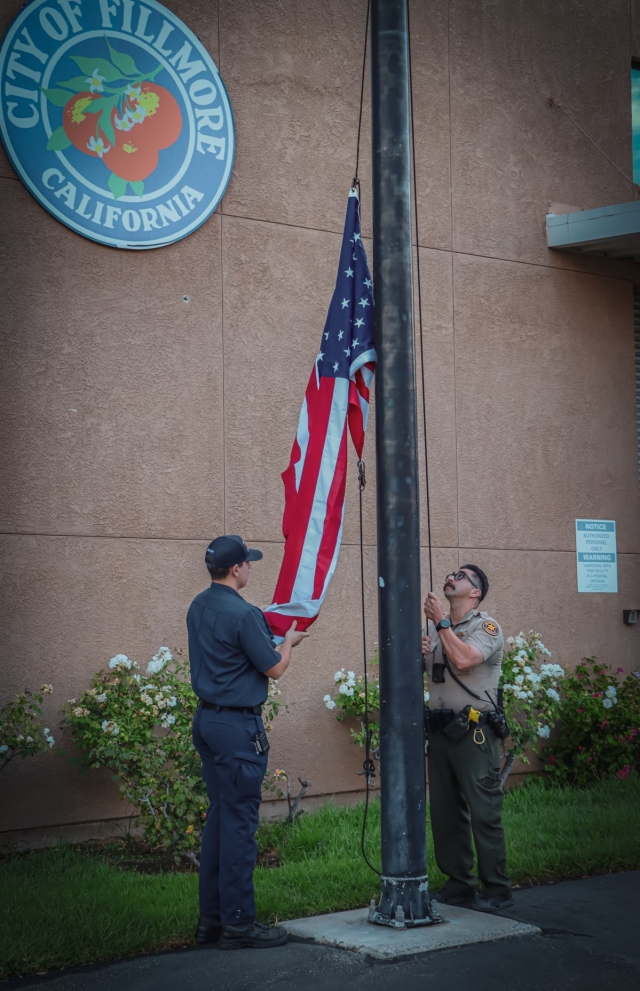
pixel 435 720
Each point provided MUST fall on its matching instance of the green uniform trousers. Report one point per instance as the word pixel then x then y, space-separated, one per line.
pixel 465 799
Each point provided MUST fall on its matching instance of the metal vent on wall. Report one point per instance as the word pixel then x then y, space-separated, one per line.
pixel 636 337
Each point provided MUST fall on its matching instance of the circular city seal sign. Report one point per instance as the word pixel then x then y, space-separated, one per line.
pixel 116 119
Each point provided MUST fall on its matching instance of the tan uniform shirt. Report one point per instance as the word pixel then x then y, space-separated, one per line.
pixel 483 633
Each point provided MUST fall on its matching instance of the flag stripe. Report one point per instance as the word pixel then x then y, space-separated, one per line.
pixel 332 518
pixel 319 404
pixel 305 578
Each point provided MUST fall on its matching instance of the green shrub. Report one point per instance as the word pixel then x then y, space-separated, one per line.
pixel 600 727
pixel 139 726
pixel 351 702
pixel 531 687
pixel 22 730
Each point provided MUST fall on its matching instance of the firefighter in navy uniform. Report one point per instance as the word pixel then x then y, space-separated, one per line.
pixel 232 655
pixel 463 655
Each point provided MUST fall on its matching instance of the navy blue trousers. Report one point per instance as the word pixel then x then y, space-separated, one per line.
pixel 233 773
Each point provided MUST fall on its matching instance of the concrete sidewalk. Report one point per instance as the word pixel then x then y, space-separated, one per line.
pixel 590 942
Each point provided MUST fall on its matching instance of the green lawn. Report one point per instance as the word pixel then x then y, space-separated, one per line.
pixel 63 907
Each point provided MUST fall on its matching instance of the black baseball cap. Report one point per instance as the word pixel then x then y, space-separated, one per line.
pixel 224 552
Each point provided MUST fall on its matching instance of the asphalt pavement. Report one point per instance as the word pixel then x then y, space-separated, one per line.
pixel 590 941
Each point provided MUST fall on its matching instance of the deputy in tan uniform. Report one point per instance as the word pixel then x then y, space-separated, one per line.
pixel 463 655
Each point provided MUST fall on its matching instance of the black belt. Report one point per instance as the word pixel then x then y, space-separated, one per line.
pixel 255 710
pixel 437 719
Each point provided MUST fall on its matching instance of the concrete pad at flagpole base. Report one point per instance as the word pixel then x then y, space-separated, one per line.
pixel 351 931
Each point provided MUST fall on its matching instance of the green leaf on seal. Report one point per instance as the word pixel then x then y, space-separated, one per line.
pixel 77 85
pixel 117 185
pixel 58 140
pixel 106 126
pixel 123 62
pixel 100 65
pixel 138 188
pixel 99 104
pixel 59 97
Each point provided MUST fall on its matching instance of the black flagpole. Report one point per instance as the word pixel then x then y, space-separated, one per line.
pixel 405 891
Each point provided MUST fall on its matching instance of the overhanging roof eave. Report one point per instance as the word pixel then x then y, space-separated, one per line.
pixel 613 231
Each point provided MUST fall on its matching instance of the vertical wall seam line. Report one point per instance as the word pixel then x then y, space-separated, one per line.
pixel 453 283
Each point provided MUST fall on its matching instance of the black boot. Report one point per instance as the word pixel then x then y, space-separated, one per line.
pixel 208 929
pixel 459 899
pixel 253 935
pixel 488 903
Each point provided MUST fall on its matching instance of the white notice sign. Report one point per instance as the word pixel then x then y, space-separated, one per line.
pixel 596 556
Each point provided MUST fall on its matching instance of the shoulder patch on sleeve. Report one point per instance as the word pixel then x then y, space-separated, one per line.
pixel 491 628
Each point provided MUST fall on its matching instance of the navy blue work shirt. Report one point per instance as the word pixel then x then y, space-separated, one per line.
pixel 230 648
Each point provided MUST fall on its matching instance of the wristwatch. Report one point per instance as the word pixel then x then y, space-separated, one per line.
pixel 444 624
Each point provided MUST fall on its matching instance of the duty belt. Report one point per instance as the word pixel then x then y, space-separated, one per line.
pixel 437 719
pixel 253 709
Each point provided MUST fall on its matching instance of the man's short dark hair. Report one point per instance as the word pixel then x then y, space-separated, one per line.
pixel 217 574
pixel 484 581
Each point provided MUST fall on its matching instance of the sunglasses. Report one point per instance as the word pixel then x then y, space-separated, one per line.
pixel 459 575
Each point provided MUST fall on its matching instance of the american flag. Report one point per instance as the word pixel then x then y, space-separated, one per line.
pixel 337 397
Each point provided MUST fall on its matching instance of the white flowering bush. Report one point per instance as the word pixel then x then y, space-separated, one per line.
pixel 22 729
pixel 531 687
pixel 139 726
pixel 348 700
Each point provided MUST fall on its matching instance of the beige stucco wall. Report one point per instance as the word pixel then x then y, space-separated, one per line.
pixel 136 426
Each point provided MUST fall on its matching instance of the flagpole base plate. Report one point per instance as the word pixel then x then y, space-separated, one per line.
pixel 404 903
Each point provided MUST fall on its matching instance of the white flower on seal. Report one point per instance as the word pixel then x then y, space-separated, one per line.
pixel 98 146
pixel 138 113
pixel 544 732
pixel 133 92
pixel 123 123
pixel 95 82
pixel 120 661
